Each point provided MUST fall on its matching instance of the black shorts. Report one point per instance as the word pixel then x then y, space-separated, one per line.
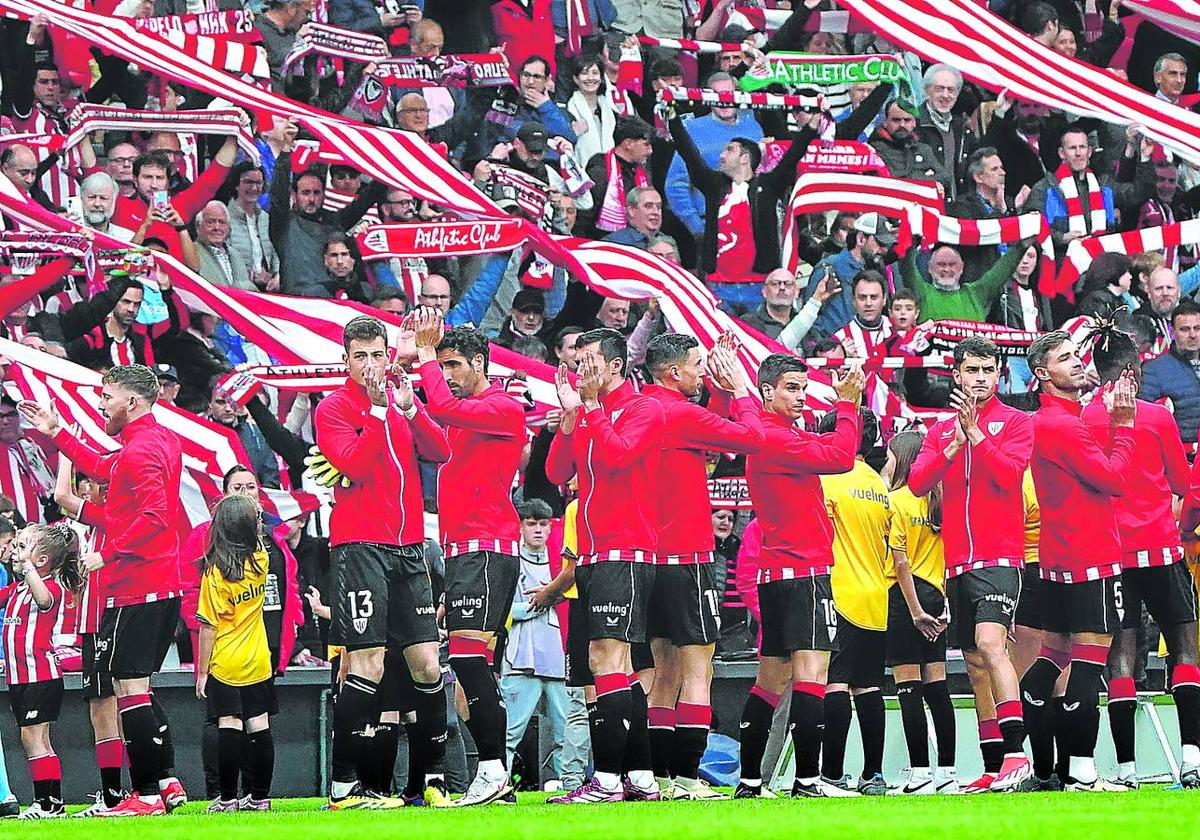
pixel 579 670
pixel 858 656
pixel 96 683
pixel 1166 591
pixel 905 644
pixel 133 641
pixel 479 590
pixel 616 594
pixel 1029 607
pixel 384 597
pixel 981 596
pixel 797 615
pixel 36 702
pixel 1093 606
pixel 683 605
pixel 241 701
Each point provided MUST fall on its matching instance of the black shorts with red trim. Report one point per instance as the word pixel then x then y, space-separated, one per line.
pixel 384 596
pixel 480 586
pixel 683 605
pixel 981 596
pixel 1166 591
pixel 579 670
pixel 36 702
pixel 97 684
pixel 616 594
pixel 1093 606
pixel 858 656
pixel 797 614
pixel 905 644
pixel 241 701
pixel 133 640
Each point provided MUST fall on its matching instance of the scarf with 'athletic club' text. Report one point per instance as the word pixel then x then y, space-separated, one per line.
pixel 1096 219
pixel 805 70
pixel 439 239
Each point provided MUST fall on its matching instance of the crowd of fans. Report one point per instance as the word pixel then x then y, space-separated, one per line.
pixel 705 190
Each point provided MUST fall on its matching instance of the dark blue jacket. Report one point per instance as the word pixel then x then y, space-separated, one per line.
pixel 1173 376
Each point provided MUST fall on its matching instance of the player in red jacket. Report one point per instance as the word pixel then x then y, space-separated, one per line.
pixel 684 613
pixel 368 429
pixel 480 527
pixel 611 436
pixel 1153 574
pixel 794 593
pixel 980 455
pixel 1077 481
pixel 142 515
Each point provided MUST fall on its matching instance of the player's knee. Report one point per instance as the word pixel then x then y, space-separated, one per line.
pixel 368 663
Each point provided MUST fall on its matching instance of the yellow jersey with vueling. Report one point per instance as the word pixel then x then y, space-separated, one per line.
pixel 240 655
pixel 911 532
pixel 858 504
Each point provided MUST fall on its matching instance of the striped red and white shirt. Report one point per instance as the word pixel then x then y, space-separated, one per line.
pixel 18 484
pixel 57 181
pixel 84 616
pixel 29 633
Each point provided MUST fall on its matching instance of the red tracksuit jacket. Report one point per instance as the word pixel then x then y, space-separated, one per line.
pixel 1145 513
pixel 615 450
pixel 142 510
pixel 684 508
pixel 1076 482
pixel 373 447
pixel 984 523
pixel 785 488
pixel 487 436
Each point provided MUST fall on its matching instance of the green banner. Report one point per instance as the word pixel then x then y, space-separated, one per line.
pixel 793 69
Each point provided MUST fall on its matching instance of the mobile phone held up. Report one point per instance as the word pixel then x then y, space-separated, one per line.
pixel 160 201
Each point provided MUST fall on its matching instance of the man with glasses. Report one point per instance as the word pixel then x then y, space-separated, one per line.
pixel 24 476
pixel 119 164
pixel 435 292
pixel 779 291
pixel 513 107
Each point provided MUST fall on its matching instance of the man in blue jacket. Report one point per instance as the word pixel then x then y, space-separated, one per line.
pixel 711 135
pixel 1176 373
pixel 513 107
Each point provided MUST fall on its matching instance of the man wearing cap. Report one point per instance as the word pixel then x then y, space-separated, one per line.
pixel 527 317
pixel 619 170
pixel 906 156
pixel 865 246
pixel 168 383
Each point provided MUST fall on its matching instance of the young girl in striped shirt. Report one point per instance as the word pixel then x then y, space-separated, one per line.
pixel 233 665
pixel 45 561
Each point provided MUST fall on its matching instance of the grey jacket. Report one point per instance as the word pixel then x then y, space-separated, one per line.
pixel 211 270
pixel 239 238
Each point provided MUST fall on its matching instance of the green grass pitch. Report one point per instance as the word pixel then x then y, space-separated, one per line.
pixel 1150 812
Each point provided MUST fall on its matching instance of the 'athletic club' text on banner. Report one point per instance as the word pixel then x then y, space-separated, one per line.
pixel 440 239
pixel 793 69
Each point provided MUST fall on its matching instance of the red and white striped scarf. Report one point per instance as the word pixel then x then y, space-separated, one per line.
pixel 688 45
pixel 819 192
pixel 936 227
pixel 86 118
pixel 612 215
pixel 439 239
pixel 1081 252
pixel 335 42
pixel 1179 17
pixel 227 54
pixel 531 195
pixel 1096 219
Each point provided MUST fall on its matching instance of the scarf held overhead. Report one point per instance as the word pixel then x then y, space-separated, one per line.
pixel 439 239
pixel 805 70
pixel 87 118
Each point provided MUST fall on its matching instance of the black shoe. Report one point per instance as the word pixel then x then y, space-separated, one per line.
pixel 1034 784
pixel 745 791
pixel 9 808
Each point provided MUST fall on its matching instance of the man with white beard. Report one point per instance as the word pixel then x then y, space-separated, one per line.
pixel 98 198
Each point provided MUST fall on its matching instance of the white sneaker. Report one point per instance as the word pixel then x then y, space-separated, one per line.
pixel 37 812
pixel 666 787
pixel 95 809
pixel 696 789
pixel 919 783
pixel 1101 785
pixel 945 780
pixel 1127 782
pixel 484 790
